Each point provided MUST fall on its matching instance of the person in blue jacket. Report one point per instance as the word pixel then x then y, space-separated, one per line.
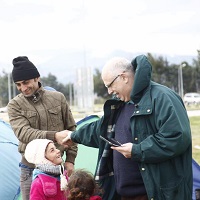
pixel 150 121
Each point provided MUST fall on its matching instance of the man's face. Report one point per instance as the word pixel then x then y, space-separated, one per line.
pixel 28 87
pixel 119 85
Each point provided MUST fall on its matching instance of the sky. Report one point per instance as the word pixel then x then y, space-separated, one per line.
pixel 40 28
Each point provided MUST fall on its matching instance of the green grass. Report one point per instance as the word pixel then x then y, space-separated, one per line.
pixel 193 107
pixel 195 128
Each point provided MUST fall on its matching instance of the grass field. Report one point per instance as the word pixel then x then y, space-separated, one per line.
pixel 195 128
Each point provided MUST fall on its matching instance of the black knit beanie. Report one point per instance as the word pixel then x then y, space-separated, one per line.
pixel 23 69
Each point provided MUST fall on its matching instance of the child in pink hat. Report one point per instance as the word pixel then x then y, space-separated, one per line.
pixel 49 179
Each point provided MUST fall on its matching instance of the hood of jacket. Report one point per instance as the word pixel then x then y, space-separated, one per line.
pixel 142 77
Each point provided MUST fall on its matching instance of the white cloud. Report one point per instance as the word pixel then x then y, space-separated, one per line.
pixel 31 26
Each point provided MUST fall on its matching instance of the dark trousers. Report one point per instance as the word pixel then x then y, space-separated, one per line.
pixel 141 197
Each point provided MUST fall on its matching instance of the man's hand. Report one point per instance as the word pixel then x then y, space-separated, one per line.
pixel 69 167
pixel 59 136
pixel 125 149
pixel 67 142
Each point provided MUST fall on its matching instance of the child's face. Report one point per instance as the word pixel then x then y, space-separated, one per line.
pixel 53 154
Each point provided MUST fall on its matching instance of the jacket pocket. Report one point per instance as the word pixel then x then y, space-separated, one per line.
pixel 55 115
pixel 178 190
pixel 32 117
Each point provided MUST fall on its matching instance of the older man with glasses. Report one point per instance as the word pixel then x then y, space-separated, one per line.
pixel 150 121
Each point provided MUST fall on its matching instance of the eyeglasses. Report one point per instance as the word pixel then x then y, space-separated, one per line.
pixel 109 85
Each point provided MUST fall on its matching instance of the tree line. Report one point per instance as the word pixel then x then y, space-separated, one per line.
pixel 162 72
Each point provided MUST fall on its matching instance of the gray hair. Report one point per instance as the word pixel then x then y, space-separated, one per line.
pixel 117 65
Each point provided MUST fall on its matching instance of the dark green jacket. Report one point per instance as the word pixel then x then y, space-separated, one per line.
pixel 161 138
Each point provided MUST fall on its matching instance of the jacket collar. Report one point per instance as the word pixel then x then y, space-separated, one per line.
pixel 37 95
pixel 142 77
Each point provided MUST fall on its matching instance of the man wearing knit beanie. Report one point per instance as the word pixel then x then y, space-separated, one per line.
pixel 24 69
pixel 38 113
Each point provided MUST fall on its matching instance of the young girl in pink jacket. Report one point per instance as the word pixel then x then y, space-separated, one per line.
pixel 49 181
